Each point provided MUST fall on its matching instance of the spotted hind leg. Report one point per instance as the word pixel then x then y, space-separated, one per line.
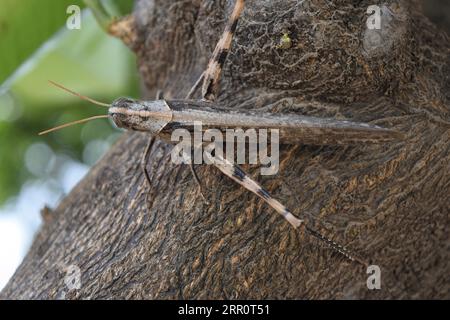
pixel 237 174
pixel 211 76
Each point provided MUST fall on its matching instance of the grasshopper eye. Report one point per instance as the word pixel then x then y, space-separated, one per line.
pixel 119 120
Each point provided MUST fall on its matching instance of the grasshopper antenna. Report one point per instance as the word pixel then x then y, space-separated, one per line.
pixel 78 121
pixel 79 95
pixel 72 124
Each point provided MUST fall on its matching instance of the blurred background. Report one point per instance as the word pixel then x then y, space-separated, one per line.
pixel 36 46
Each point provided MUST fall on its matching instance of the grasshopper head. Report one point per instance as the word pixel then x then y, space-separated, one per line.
pixel 125 113
pixel 140 115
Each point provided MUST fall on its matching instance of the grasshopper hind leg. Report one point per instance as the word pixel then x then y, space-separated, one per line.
pixel 213 73
pixel 241 177
pixel 209 79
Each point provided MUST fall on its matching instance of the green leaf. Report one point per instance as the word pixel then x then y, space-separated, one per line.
pixel 25 26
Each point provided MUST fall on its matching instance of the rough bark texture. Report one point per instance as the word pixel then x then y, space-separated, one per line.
pixel 389 203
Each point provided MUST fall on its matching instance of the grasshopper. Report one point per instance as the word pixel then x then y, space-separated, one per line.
pixel 160 117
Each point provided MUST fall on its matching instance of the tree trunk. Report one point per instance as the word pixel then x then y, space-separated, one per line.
pixel 389 203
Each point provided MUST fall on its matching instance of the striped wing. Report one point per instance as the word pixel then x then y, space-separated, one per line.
pixel 293 128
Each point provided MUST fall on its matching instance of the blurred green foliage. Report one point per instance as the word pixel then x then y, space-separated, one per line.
pixel 24 26
pixel 35 47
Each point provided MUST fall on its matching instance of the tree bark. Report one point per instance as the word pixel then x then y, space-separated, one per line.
pixel 389 203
